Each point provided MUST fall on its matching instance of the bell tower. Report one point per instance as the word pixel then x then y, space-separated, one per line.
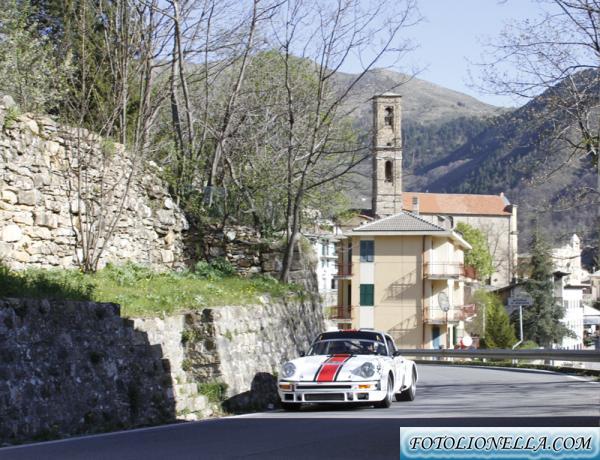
pixel 387 155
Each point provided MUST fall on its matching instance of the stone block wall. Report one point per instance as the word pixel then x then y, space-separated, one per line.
pixel 53 177
pixel 241 346
pixel 250 254
pixel 70 368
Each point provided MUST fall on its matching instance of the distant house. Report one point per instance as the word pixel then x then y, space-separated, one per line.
pixel 494 215
pixel 324 237
pixel 566 294
pixel 391 277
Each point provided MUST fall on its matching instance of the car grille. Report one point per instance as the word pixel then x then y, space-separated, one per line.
pixel 324 397
pixel 323 387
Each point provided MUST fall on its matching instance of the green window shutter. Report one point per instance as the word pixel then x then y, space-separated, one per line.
pixel 367 295
pixel 367 250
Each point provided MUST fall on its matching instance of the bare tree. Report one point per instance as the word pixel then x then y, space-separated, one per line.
pixel 558 57
pixel 100 172
pixel 318 149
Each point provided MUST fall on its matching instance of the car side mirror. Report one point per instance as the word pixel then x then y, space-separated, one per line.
pixel 302 354
pixel 397 353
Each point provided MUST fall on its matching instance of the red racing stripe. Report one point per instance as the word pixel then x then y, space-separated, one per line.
pixel 329 369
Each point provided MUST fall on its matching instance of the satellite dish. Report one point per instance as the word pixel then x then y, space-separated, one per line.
pixel 467 341
pixel 443 301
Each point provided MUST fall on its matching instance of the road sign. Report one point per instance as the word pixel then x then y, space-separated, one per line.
pixel 523 301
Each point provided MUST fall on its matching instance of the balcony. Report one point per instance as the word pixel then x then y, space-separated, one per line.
pixel 435 315
pixel 343 313
pixel 443 270
pixel 344 270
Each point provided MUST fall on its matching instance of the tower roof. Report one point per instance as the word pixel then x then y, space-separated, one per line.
pixel 387 94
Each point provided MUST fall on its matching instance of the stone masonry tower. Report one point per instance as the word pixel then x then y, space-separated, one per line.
pixel 387 155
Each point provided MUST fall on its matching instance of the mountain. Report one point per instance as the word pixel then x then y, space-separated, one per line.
pixel 518 155
pixel 456 144
pixel 435 121
pixel 423 102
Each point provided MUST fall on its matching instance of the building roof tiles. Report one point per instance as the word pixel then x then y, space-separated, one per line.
pixel 461 204
pixel 401 222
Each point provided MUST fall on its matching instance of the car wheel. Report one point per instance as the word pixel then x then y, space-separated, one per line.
pixel 291 407
pixel 410 393
pixel 389 395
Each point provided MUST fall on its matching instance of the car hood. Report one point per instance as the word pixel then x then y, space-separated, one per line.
pixel 333 368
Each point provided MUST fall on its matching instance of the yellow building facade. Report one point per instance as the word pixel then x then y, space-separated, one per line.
pixel 398 274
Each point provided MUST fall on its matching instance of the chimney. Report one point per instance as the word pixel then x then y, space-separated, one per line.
pixel 415 205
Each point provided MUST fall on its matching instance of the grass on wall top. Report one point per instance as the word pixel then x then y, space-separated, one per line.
pixel 143 292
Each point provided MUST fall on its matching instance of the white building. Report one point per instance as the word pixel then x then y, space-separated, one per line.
pixel 324 240
pixel 567 258
pixel 571 298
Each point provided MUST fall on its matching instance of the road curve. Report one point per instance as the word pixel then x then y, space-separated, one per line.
pixel 446 396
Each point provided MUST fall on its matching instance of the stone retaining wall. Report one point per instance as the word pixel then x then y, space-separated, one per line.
pixel 69 368
pixel 53 178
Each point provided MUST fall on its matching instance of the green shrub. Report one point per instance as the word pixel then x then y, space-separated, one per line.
pixel 128 274
pixel 528 345
pixel 215 269
pixel 214 391
pixel 11 116
pixel 190 336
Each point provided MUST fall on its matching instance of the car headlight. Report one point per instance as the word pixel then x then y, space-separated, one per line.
pixel 288 370
pixel 367 370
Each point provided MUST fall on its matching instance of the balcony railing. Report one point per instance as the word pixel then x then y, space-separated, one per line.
pixel 340 313
pixel 344 270
pixel 443 270
pixel 458 313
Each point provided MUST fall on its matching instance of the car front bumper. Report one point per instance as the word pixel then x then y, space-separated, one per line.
pixel 335 392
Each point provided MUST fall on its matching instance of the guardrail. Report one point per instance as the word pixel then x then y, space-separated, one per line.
pixel 558 355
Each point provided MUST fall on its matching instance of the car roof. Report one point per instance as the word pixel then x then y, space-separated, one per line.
pixel 352 334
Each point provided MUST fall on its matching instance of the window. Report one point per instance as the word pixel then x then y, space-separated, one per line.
pixel 324 248
pixel 333 283
pixel 389 177
pixel 388 118
pixel 367 250
pixel 367 295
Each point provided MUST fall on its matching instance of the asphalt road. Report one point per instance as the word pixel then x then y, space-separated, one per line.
pixel 446 396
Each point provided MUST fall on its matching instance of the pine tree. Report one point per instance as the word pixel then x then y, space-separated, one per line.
pixel 499 332
pixel 542 321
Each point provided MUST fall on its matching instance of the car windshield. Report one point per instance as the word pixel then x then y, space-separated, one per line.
pixel 347 346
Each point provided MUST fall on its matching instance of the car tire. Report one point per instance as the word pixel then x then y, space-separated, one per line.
pixel 389 395
pixel 291 407
pixel 410 393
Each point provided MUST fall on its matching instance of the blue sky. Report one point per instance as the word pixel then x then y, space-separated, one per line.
pixel 450 36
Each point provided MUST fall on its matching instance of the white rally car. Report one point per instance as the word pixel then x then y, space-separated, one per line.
pixel 348 367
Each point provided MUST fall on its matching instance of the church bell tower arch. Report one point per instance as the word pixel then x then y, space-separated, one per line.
pixel 387 155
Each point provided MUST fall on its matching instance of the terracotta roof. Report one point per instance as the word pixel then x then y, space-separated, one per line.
pixel 401 222
pixel 449 203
